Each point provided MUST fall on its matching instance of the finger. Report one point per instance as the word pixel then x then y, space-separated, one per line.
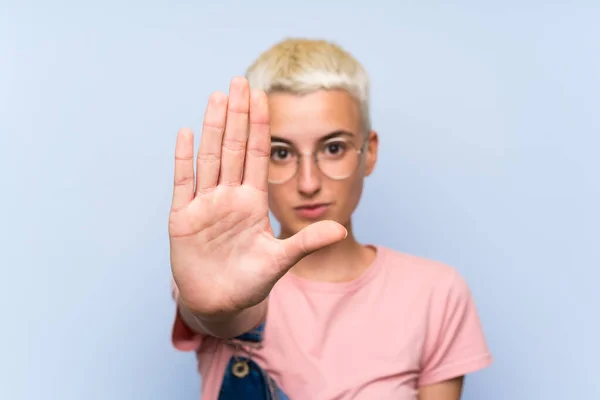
pixel 183 187
pixel 256 167
pixel 310 239
pixel 233 150
pixel 209 153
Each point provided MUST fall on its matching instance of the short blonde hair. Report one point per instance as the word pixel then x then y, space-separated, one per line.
pixel 301 66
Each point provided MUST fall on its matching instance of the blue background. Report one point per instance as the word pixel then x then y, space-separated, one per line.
pixel 488 114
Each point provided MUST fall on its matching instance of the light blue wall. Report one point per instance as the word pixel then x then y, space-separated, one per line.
pixel 489 123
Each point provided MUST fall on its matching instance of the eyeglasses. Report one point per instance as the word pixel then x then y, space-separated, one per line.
pixel 336 158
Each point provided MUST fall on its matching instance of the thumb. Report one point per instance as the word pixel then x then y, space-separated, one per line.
pixel 310 239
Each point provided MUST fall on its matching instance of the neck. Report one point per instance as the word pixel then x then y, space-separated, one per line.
pixel 339 262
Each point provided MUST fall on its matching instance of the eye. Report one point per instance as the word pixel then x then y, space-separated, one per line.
pixel 280 153
pixel 336 148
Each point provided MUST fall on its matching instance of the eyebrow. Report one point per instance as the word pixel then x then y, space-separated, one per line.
pixel 331 135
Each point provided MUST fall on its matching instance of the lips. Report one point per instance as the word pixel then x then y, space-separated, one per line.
pixel 312 211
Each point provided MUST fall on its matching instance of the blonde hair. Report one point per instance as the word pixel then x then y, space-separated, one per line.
pixel 302 66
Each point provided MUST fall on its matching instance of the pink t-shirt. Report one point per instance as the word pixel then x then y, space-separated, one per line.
pixel 404 323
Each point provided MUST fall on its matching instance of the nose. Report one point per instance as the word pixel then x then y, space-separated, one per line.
pixel 309 177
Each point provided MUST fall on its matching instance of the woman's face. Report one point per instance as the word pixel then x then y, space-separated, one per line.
pixel 328 124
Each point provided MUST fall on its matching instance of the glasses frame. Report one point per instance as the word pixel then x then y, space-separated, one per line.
pixel 313 154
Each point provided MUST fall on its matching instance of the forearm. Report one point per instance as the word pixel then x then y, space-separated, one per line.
pixel 226 326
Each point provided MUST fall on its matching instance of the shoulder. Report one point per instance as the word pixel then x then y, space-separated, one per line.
pixel 419 270
pixel 434 286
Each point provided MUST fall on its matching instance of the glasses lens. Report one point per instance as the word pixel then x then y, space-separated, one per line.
pixel 282 164
pixel 338 159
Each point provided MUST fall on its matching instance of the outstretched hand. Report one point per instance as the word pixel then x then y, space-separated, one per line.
pixel 224 256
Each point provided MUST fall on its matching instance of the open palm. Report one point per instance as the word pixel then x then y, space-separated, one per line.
pixel 224 256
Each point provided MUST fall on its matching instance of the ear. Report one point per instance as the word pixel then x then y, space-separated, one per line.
pixel 372 150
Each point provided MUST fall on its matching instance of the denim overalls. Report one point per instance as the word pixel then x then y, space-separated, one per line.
pixel 244 379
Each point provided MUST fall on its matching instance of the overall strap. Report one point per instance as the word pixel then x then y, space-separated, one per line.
pixel 244 378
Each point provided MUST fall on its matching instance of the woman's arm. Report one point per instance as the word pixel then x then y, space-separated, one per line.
pixel 447 390
pixel 226 326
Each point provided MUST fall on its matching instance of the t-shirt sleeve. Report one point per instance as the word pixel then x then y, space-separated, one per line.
pixel 182 337
pixel 455 344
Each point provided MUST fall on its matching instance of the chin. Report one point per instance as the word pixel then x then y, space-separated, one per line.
pixel 292 226
pixel 295 225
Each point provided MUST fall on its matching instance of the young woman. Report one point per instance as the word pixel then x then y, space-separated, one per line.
pixel 311 314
